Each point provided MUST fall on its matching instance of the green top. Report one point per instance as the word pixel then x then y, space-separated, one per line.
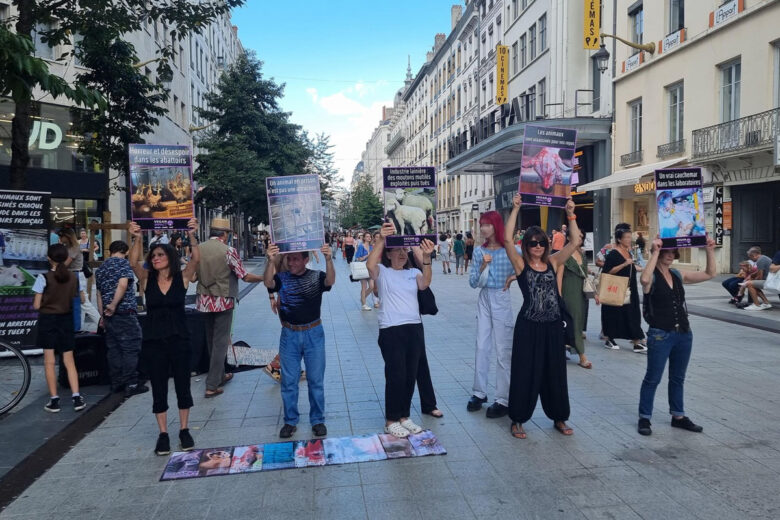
pixel 459 247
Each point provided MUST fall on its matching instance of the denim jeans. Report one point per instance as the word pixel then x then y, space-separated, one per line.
pixel 732 285
pixel 123 346
pixel 309 345
pixel 663 345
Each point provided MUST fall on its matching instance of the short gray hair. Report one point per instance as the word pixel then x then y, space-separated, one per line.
pixel 217 232
pixel 755 250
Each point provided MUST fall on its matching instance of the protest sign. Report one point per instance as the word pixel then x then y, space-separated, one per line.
pixel 24 209
pixel 410 204
pixel 680 208
pixel 547 165
pixel 295 212
pixel 161 186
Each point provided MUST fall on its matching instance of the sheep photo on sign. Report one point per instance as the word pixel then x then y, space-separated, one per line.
pixel 410 204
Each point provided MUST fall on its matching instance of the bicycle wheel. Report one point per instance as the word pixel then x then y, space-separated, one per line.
pixel 14 377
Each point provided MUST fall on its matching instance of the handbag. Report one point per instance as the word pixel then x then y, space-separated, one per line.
pixel 588 289
pixel 86 270
pixel 613 290
pixel 627 298
pixel 427 302
pixel 773 281
pixel 358 271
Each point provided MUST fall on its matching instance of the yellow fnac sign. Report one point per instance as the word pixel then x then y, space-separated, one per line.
pixel 591 33
pixel 502 73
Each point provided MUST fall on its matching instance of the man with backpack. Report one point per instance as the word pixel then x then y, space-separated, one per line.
pixel 669 336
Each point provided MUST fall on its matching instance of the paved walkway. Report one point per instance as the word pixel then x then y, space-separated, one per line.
pixel 606 470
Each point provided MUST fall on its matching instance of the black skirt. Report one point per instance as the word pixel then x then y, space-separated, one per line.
pixel 55 331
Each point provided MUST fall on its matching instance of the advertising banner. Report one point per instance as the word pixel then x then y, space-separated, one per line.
pixel 161 186
pixel 410 204
pixel 679 201
pixel 295 212
pixel 502 73
pixel 591 27
pixel 547 165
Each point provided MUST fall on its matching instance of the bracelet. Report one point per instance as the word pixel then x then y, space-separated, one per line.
pixel 571 217
pixel 427 263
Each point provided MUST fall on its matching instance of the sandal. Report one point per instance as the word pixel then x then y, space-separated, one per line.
pixel 412 427
pixel 561 427
pixel 586 365
pixel 228 377
pixel 517 431
pixel 215 393
pixel 435 413
pixel 396 430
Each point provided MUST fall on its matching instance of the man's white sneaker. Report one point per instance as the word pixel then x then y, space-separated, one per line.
pixel 766 306
pixel 753 307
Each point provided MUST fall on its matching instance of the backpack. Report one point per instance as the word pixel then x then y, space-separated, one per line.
pixel 647 305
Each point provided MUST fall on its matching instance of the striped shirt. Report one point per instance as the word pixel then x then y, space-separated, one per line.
pixel 209 303
pixel 500 267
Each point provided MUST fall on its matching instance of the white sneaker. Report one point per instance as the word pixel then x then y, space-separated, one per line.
pixel 753 307
pixel 409 425
pixel 611 345
pixel 395 429
pixel 366 308
pixel 765 306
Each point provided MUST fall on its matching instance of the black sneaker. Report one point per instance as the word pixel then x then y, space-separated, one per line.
pixel 79 403
pixel 185 440
pixel 319 430
pixel 475 403
pixel 496 410
pixel 287 431
pixel 163 446
pixel 132 390
pixel 53 406
pixel 686 424
pixel 644 427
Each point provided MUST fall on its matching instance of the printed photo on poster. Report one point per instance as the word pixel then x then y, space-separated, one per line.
pixel 347 450
pixel 247 459
pixel 426 443
pixel 395 447
pixel 410 204
pixel 279 455
pixel 547 165
pixel 161 186
pixel 309 453
pixel 183 464
pixel 295 212
pixel 679 200
pixel 215 461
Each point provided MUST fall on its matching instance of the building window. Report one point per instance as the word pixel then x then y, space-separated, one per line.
pixel 676 104
pixel 523 58
pixel 532 41
pixel 77 39
pixel 636 125
pixel 542 33
pixel 596 74
pixel 777 74
pixel 514 9
pixel 531 100
pixel 729 91
pixel 676 15
pixel 637 24
pixel 42 50
pixel 542 88
pixel 514 58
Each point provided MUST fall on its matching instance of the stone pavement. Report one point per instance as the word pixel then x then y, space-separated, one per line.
pixel 605 470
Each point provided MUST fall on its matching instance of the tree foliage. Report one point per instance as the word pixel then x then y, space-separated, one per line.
pixel 321 163
pixel 250 138
pixel 366 208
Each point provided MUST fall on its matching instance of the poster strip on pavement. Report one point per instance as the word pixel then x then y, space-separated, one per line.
pixel 295 212
pixel 547 165
pixel 410 204
pixel 161 186
pixel 679 200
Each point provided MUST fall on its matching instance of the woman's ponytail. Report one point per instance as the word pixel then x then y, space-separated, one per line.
pixel 58 254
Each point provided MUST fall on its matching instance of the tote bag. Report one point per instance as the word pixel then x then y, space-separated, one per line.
pixel 613 289
pixel 358 271
pixel 773 281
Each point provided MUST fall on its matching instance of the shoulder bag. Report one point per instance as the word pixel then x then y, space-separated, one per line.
pixel 773 281
pixel 427 302
pixel 358 271
pixel 588 287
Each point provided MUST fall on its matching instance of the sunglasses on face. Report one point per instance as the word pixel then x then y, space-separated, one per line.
pixel 537 243
pixel 157 255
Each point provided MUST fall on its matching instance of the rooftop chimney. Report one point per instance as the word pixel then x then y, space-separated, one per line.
pixel 457 12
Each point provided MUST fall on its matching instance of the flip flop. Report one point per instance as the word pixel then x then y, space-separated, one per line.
pixel 435 413
pixel 565 430
pixel 519 432
pixel 586 365
pixel 215 393
pixel 228 377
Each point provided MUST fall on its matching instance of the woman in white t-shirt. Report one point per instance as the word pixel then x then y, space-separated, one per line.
pixel 401 336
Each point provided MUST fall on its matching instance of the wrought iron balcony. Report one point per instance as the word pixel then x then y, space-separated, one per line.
pixel 746 134
pixel 675 147
pixel 631 158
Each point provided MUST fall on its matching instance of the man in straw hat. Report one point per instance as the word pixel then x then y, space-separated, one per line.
pixel 218 273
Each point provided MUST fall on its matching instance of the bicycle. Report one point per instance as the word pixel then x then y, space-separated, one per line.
pixel 15 377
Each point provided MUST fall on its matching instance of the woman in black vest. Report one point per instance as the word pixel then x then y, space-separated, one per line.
pixel 669 335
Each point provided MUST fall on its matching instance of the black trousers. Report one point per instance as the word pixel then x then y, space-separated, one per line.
pixel 425 385
pixel 402 348
pixel 350 252
pixel 164 357
pixel 538 370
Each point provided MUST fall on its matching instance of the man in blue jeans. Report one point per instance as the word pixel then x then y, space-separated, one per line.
pixel 117 307
pixel 669 336
pixel 300 298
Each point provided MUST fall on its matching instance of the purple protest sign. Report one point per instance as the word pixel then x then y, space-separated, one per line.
pixel 410 204
pixel 680 203
pixel 547 165
pixel 295 212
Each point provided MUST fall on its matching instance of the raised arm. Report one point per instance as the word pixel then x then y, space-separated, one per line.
pixel 509 233
pixel 709 272
pixel 375 256
pixel 646 278
pixel 559 258
pixel 271 265
pixel 330 271
pixel 423 253
pixel 192 265
pixel 136 254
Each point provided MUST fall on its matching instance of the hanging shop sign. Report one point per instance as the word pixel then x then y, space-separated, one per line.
pixel 592 22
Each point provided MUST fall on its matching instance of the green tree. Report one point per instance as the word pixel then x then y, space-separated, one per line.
pixel 56 21
pixel 321 163
pixel 346 213
pixel 367 208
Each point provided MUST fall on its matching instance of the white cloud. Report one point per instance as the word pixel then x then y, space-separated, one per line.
pixel 313 93
pixel 340 105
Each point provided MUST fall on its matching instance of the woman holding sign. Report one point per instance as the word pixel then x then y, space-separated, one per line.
pixel 538 353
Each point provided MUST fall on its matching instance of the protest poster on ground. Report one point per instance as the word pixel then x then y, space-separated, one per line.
pixel 295 212
pixel 426 443
pixel 410 204
pixel 547 165
pixel 396 447
pixel 247 459
pixel 161 186
pixel 309 453
pixel 215 461
pixel 679 201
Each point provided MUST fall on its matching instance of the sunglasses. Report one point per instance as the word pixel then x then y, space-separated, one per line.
pixel 537 243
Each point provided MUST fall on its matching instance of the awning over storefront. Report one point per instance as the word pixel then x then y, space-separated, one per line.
pixel 629 176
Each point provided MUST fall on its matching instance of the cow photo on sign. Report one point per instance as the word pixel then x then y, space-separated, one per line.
pixel 547 165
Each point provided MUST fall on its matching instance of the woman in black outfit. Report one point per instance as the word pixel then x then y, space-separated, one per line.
pixel 623 322
pixel 538 345
pixel 166 346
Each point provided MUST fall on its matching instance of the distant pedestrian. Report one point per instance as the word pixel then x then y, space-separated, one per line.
pixel 166 342
pixel 669 333
pixel 571 275
pixel 75 263
pixel 469 251
pixel 558 240
pixel 361 255
pixel 459 249
pixel 444 251
pixel 349 247
pixel 401 334
pixel 54 295
pixel 302 337
pixel 755 285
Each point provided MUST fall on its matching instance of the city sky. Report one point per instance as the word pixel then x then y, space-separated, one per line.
pixel 341 61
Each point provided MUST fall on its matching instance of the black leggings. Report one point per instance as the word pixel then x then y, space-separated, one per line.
pixel 402 347
pixel 165 357
pixel 350 252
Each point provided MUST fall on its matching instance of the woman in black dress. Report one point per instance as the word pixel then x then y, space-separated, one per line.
pixel 166 346
pixel 538 345
pixel 623 322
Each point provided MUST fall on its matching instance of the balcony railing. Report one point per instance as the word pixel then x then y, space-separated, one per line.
pixel 751 133
pixel 665 150
pixel 631 158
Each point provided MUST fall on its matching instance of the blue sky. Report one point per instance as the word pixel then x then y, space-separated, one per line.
pixel 341 60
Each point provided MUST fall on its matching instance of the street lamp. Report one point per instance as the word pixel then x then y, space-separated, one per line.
pixel 602 59
pixel 602 55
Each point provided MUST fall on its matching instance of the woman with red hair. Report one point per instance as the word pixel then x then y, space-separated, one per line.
pixel 494 316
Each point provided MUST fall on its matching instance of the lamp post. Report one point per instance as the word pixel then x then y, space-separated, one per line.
pixel 602 55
